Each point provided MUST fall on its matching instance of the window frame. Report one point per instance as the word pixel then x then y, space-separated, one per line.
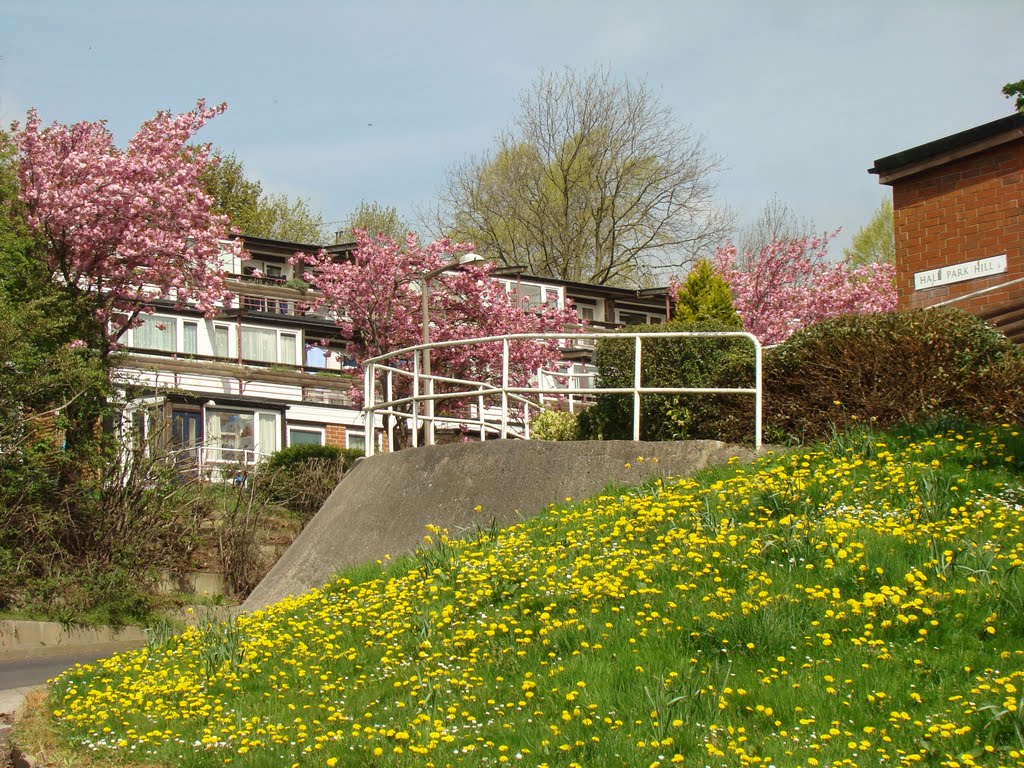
pixel 321 432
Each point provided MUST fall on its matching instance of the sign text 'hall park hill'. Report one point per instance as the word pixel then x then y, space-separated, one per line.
pixel 956 273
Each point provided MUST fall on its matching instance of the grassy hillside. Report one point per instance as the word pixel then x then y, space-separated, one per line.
pixel 854 604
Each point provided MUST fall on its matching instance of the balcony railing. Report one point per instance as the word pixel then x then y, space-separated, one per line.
pixel 343 376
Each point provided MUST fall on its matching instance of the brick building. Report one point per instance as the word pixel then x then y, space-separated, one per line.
pixel 959 225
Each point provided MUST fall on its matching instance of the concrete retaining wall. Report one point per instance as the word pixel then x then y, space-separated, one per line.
pixel 384 504
pixel 19 639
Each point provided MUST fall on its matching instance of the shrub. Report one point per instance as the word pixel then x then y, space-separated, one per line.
pixel 555 425
pixel 83 537
pixel 890 368
pixel 999 394
pixel 296 455
pixel 301 477
pixel 687 362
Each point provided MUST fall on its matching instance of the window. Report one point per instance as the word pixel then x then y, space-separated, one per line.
pixel 231 435
pixel 533 295
pixel 268 272
pixel 139 424
pixel 638 317
pixel 240 436
pixel 190 337
pixel 305 436
pixel 289 348
pixel 316 357
pixel 259 344
pixel 221 340
pixel 585 312
pixel 267 434
pixel 355 439
pixel 156 332
pixel 268 346
pixel 631 318
pixel 529 295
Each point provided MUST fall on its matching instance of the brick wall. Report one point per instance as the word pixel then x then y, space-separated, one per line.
pixel 962 211
pixel 335 435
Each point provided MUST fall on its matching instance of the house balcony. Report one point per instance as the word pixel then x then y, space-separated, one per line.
pixel 180 370
pixel 270 296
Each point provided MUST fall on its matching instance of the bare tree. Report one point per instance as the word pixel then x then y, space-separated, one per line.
pixel 777 222
pixel 594 181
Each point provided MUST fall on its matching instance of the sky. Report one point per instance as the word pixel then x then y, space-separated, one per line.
pixel 340 102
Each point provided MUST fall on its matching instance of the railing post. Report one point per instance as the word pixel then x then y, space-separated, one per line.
pixel 636 388
pixel 480 415
pixel 758 396
pixel 390 394
pixel 369 402
pixel 414 428
pixel 504 388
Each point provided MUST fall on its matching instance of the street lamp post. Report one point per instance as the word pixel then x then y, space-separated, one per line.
pixel 466 258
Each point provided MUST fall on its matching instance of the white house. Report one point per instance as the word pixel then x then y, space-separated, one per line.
pixel 266 373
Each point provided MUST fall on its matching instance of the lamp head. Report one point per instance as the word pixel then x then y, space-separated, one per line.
pixel 470 258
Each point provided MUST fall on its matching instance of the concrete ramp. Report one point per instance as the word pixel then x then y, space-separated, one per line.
pixel 383 506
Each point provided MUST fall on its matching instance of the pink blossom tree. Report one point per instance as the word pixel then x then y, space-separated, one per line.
pixel 790 284
pixel 377 298
pixel 122 228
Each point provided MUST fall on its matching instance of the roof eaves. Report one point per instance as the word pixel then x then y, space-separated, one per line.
pixel 948 148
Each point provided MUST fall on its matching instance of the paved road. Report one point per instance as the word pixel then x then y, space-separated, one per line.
pixel 36 670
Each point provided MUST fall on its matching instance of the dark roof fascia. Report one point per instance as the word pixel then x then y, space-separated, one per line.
pixel 236 401
pixel 948 148
pixel 262 246
pixel 599 291
pixel 292 322
pixel 204 398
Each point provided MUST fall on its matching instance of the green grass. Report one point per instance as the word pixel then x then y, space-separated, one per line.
pixel 858 603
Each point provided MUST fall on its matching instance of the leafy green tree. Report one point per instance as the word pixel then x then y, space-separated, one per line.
pixel 595 181
pixel 875 243
pixel 254 212
pixel 282 218
pixel 85 519
pixel 233 194
pixel 377 219
pixel 705 296
pixel 1015 90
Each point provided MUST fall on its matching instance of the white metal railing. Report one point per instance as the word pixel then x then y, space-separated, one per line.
pixel 972 294
pixel 215 463
pixel 508 415
pixel 562 381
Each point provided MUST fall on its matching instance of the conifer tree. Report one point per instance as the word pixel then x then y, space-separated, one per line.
pixel 705 296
